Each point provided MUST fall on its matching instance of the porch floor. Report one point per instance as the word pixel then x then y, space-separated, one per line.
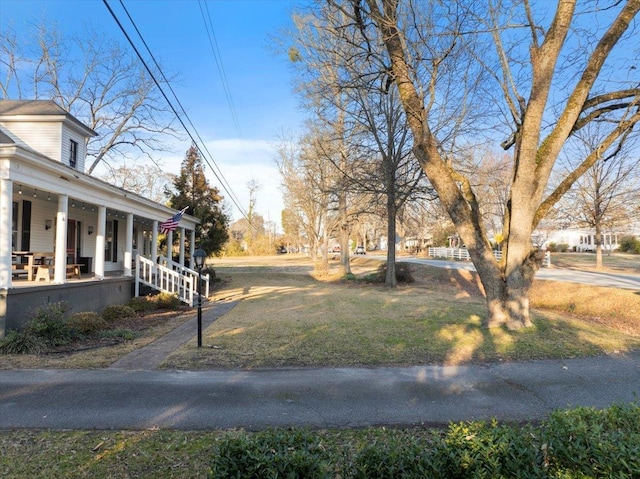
pixel 22 281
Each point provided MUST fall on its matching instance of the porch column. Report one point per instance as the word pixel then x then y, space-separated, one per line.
pixel 192 248
pixel 128 246
pixel 6 212
pixel 154 242
pixel 181 246
pixel 170 246
pixel 60 260
pixel 100 234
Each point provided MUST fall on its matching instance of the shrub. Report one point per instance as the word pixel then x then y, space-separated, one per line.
pixel 210 271
pixel 404 273
pixel 16 342
pixel 576 443
pixel 630 244
pixel 269 454
pixel 166 301
pixel 481 449
pixel 594 443
pixel 117 311
pixel 142 304
pixel 86 323
pixel 397 456
pixel 50 323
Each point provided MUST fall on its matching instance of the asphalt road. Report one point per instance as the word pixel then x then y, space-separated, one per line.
pixel 319 398
pixel 626 281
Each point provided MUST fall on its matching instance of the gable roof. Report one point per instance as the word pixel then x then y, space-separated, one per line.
pixel 5 139
pixel 21 108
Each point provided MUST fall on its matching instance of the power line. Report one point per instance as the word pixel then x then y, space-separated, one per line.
pixel 220 176
pixel 217 56
pixel 169 101
pixel 215 50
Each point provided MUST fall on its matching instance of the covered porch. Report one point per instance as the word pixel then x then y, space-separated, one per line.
pixel 60 227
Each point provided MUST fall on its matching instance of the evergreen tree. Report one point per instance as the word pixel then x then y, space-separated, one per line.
pixel 192 190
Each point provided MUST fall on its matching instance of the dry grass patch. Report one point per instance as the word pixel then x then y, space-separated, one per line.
pixel 615 308
pixel 293 320
pixel 612 263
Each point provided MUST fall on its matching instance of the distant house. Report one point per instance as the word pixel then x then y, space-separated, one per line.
pixel 66 235
pixel 580 240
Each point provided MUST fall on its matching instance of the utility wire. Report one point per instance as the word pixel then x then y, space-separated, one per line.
pixel 220 176
pixel 217 56
pixel 170 103
pixel 215 50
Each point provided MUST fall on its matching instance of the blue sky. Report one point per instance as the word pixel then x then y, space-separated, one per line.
pixel 258 80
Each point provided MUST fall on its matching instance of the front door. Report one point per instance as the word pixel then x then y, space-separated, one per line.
pixel 72 242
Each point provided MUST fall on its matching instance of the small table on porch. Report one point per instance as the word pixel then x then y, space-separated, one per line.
pixel 40 264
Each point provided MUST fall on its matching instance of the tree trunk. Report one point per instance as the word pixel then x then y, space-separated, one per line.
pixel 390 279
pixel 598 242
pixel 508 295
pixel 345 264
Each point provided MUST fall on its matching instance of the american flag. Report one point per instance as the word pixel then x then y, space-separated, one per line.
pixel 172 223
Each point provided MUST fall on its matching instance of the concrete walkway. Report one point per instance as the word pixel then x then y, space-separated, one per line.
pixel 150 356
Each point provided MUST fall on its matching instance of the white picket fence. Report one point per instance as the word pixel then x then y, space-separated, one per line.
pixel 463 254
pixel 171 278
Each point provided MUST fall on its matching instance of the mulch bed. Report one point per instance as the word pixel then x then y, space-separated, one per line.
pixel 135 324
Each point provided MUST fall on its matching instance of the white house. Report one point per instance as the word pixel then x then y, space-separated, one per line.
pixel 580 240
pixel 86 232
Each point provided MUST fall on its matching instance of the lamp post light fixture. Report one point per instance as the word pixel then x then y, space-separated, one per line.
pixel 199 256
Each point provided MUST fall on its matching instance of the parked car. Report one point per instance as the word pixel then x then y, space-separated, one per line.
pixel 360 250
pixel 334 249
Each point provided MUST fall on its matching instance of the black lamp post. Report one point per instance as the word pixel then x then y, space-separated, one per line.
pixel 199 256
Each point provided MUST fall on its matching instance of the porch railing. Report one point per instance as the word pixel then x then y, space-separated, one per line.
pixel 170 278
pixel 188 271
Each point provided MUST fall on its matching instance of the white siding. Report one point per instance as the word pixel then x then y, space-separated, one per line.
pixel 44 137
pixel 42 210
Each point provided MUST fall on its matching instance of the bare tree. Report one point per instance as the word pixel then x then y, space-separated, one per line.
pixel 569 85
pixel 253 186
pixel 98 81
pixel 371 138
pixel 306 184
pixel 150 181
pixel 601 198
pixel 315 56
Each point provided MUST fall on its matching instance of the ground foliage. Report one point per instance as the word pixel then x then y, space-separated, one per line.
pixel 569 444
pixel 55 329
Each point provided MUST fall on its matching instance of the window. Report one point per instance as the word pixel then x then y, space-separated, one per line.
pixel 73 153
